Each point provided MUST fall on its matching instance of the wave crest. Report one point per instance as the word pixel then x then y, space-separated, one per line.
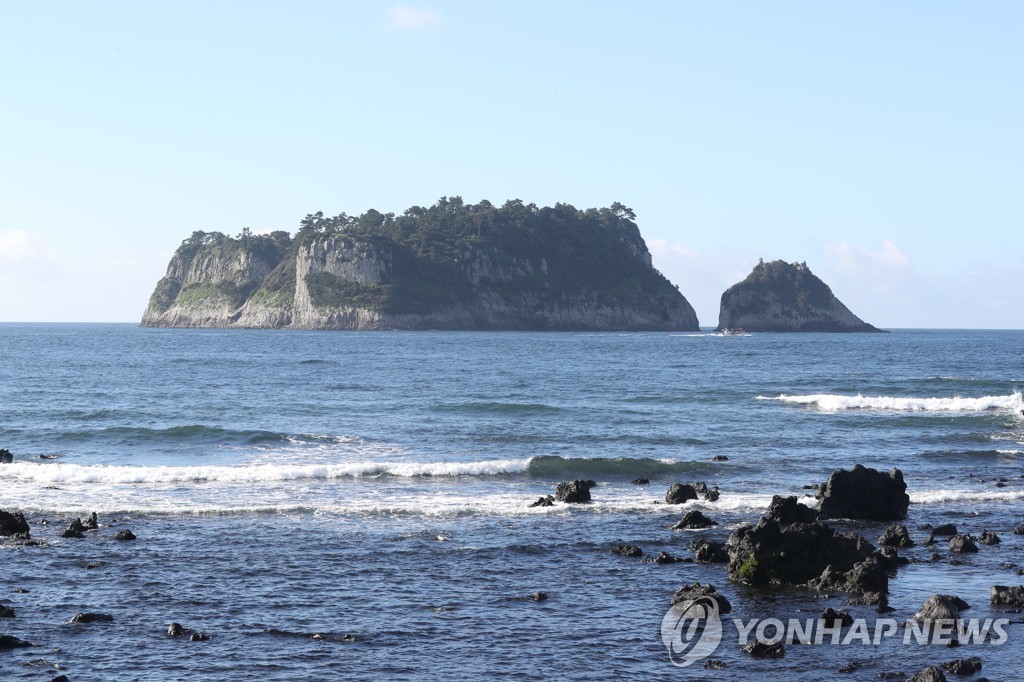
pixel 835 403
pixel 545 467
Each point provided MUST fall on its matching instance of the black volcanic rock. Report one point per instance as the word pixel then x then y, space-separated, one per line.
pixel 76 529
pixel 759 649
pixel 867 576
pixel 709 551
pixel 573 493
pixel 787 510
pixel 694 520
pixel 945 530
pixel 963 666
pixel 929 674
pixel 989 538
pixel 13 524
pixel 941 607
pixel 784 297
pixel 1009 596
pixel 695 591
pixel 5 456
pixel 678 493
pixel 11 642
pixel 91 617
pixel 628 550
pixel 863 493
pixel 963 544
pixel 772 554
pixel 896 535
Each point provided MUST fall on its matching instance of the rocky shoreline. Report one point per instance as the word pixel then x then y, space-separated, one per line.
pixel 816 548
pixel 791 547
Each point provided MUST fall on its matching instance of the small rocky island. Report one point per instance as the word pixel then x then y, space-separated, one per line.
pixel 786 297
pixel 450 266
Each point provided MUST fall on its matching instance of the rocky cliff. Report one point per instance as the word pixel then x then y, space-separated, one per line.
pixel 785 297
pixel 449 266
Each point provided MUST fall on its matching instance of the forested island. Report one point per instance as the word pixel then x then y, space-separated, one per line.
pixel 452 265
pixel 786 297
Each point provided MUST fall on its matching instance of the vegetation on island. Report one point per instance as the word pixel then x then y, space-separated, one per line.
pixel 438 257
pixel 781 296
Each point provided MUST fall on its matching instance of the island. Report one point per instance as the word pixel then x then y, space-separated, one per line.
pixel 450 266
pixel 785 297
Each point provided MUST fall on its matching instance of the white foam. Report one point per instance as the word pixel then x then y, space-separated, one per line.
pixel 259 473
pixel 191 490
pixel 834 403
pixel 941 496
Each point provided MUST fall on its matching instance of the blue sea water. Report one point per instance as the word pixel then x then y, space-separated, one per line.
pixel 289 488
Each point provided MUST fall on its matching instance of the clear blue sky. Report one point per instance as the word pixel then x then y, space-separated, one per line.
pixel 880 142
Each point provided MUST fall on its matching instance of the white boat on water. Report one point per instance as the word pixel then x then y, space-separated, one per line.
pixel 739 331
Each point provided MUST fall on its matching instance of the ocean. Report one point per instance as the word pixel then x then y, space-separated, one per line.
pixel 356 505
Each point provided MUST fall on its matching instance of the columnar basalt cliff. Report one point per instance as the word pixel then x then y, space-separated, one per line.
pixel 784 297
pixel 449 266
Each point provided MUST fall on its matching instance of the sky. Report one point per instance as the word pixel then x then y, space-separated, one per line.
pixel 881 143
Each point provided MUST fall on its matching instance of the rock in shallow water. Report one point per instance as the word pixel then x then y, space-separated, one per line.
pixel 989 538
pixel 77 528
pixel 896 535
pixel 573 493
pixel 863 493
pixel 1009 596
pixel 91 617
pixel 13 524
pixel 792 555
pixel 941 607
pixel 929 674
pixel 176 630
pixel 789 510
pixel 759 649
pixel 710 552
pixel 696 591
pixel 963 666
pixel 666 558
pixel 867 576
pixel 125 534
pixel 834 617
pixel 694 520
pixel 963 544
pixel 944 531
pixel 11 642
pixel 627 550
pixel 5 456
pixel 678 493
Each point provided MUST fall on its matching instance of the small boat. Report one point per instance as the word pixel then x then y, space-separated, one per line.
pixel 738 331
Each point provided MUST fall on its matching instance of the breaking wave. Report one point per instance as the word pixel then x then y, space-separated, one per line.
pixel 835 403
pixel 546 467
pixel 259 473
pixel 942 496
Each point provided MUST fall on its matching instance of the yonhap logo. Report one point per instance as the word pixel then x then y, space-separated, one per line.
pixel 691 630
